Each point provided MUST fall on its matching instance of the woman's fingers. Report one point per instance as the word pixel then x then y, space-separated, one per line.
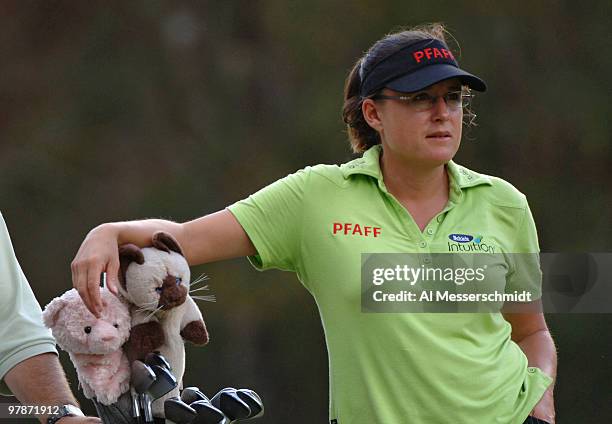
pixel 93 286
pixel 112 274
pixel 98 253
pixel 79 282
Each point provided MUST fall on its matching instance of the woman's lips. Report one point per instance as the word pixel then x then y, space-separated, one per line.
pixel 440 135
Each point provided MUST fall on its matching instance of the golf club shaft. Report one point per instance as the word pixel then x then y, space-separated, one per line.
pixel 135 404
pixel 145 403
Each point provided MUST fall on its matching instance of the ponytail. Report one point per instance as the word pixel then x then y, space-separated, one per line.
pixel 361 135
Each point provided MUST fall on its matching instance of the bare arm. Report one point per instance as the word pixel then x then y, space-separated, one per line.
pixel 215 237
pixel 211 238
pixel 40 380
pixel 530 332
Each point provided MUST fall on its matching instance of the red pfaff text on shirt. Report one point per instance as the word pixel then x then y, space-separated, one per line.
pixel 350 229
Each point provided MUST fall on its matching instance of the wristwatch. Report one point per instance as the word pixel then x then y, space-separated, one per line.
pixel 65 411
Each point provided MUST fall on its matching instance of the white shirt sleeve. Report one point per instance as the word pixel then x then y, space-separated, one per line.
pixel 22 332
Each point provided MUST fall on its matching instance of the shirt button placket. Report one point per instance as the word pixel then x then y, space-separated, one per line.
pixel 424 256
pixel 429 233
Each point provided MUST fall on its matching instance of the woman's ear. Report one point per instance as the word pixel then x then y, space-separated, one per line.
pixel 371 114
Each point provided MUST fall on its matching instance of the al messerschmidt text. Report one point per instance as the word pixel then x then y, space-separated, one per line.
pixel 446 296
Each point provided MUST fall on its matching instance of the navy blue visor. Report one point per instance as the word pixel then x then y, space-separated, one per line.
pixel 416 67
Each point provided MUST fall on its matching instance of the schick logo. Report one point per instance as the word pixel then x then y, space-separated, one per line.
pixel 461 238
pixel 468 243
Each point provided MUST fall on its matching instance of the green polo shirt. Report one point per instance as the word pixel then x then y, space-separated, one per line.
pixel 392 368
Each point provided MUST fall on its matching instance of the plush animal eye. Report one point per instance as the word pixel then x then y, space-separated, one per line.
pixel 88 329
pixel 158 289
pixel 178 281
pixel 116 325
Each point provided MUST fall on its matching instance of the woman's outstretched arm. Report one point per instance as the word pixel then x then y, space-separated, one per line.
pixel 210 238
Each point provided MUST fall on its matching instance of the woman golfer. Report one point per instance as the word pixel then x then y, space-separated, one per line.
pixel 404 106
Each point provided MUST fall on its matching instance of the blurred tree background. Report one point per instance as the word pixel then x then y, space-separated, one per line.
pixel 120 110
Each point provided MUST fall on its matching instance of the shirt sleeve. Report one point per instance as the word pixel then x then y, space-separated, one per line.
pixel 22 333
pixel 272 218
pixel 525 273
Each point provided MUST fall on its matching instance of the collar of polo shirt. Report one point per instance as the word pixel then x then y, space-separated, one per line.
pixel 369 164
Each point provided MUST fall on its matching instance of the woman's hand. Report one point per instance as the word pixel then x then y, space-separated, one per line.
pixel 98 253
pixel 545 408
pixel 530 332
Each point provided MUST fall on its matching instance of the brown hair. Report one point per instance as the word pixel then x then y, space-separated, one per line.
pixel 361 135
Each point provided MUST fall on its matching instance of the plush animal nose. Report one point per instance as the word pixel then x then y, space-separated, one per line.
pixel 173 293
pixel 108 338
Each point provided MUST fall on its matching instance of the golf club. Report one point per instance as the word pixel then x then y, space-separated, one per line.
pixel 191 394
pixel 252 399
pixel 141 379
pixel 163 383
pixel 207 414
pixel 227 400
pixel 178 411
pixel 155 358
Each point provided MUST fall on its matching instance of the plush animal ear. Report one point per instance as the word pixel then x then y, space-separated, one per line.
pixel 164 241
pixel 128 253
pixel 52 310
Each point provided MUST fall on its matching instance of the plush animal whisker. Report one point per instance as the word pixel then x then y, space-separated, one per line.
pixel 147 306
pixel 200 289
pixel 153 313
pixel 149 309
pixel 201 278
pixel 208 298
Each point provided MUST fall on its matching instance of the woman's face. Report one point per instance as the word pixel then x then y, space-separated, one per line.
pixel 423 137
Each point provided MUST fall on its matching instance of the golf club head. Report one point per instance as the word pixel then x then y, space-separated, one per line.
pixel 142 377
pixel 252 399
pixel 191 394
pixel 164 382
pixel 178 411
pixel 156 358
pixel 207 413
pixel 230 404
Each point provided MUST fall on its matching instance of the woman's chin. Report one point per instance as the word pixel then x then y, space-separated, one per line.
pixel 431 155
pixel 447 151
pixel 440 156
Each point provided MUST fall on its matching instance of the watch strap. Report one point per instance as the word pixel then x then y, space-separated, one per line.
pixel 65 411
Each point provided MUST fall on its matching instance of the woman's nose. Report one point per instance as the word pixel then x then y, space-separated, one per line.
pixel 440 108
